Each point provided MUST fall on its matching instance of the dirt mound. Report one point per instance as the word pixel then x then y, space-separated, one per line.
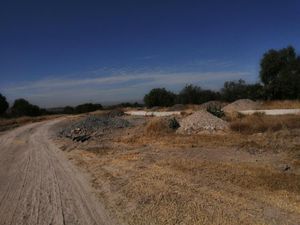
pixel 92 126
pixel 239 105
pixel 201 121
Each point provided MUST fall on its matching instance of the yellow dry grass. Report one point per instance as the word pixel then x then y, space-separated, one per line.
pixel 149 187
pixel 158 126
pixel 258 123
pixel 162 178
pixel 286 104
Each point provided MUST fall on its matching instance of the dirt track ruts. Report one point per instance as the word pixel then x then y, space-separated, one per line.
pixel 39 186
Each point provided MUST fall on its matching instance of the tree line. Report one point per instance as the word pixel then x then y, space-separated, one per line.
pixel 22 107
pixel 279 79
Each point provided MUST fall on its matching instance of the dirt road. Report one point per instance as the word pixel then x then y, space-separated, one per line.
pixel 39 186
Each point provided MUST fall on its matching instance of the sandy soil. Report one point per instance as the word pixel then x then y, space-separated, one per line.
pixel 38 185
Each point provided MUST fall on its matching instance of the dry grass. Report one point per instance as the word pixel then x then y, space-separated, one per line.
pixel 286 104
pixel 162 178
pixel 157 127
pixel 259 123
pixel 145 186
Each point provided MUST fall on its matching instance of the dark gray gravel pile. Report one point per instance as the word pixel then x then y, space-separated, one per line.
pixel 92 126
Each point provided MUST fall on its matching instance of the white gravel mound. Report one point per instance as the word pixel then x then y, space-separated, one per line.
pixel 202 122
pixel 240 105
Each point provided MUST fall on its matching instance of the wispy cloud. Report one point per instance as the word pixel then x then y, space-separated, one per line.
pixel 213 63
pixel 147 57
pixel 124 85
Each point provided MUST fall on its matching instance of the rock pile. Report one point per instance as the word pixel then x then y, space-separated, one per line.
pixel 239 105
pixel 201 122
pixel 92 126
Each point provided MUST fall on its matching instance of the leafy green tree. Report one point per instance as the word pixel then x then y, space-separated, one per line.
pixel 22 107
pixel 3 104
pixel 280 73
pixel 159 97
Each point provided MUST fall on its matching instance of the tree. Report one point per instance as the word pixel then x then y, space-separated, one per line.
pixel 280 73
pixel 22 107
pixel 3 104
pixel 159 97
pixel 254 91
pixel 68 110
pixel 87 107
pixel 233 90
pixel 192 94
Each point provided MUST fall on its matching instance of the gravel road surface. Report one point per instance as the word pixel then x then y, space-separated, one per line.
pixel 38 185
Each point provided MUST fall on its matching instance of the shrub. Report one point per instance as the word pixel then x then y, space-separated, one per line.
pixel 215 110
pixel 173 124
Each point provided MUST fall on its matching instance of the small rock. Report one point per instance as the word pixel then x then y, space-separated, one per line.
pixel 286 168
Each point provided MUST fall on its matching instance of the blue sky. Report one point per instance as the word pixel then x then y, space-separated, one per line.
pixel 55 53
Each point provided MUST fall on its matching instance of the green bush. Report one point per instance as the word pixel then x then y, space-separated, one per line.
pixel 173 124
pixel 216 111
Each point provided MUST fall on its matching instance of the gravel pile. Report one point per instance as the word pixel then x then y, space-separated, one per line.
pixel 201 121
pixel 92 126
pixel 239 105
